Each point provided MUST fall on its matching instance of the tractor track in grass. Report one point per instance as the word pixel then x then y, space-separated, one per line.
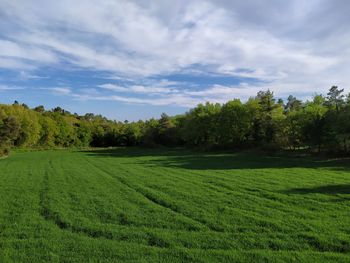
pixel 152 237
pixel 211 185
pixel 218 181
pixel 209 181
pixel 48 215
pixel 192 228
pixel 44 206
pixel 151 198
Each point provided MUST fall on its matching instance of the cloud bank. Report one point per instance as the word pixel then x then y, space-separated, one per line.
pixel 299 47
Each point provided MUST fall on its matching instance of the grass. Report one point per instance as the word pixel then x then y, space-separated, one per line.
pixel 142 205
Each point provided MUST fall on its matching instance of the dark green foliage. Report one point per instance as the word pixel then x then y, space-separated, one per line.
pixel 234 124
pixel 335 98
pixel 40 109
pixel 9 132
pixel 201 125
pixel 293 104
pixel 261 122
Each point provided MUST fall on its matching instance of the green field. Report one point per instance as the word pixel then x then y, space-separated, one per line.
pixel 172 206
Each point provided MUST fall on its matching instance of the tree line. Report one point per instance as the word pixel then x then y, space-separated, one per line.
pixel 320 124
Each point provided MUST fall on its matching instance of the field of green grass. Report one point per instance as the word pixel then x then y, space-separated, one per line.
pixel 172 206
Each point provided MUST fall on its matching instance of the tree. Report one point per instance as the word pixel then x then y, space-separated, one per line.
pixel 66 135
pixel 293 127
pixel 83 134
pixel 151 132
pixel 234 123
pixel 266 100
pixel 314 116
pixel 201 125
pixel 348 99
pixel 264 127
pixel 59 110
pixel 9 131
pixel 260 122
pixel 166 133
pixel 280 102
pixel 40 109
pixel 132 133
pixel 293 104
pixel 29 125
pixel 341 129
pixel 49 131
pixel 335 98
pixel 164 123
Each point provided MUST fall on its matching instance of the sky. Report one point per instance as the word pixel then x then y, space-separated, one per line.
pixel 136 59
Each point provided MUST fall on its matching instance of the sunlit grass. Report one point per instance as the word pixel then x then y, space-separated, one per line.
pixel 172 206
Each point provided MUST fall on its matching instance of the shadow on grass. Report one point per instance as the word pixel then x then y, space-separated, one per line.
pixel 330 190
pixel 188 159
pixel 324 189
pixel 136 152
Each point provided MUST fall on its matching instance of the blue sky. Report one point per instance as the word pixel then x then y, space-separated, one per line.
pixel 136 59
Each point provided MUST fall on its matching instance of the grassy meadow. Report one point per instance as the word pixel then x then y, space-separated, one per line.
pixel 161 205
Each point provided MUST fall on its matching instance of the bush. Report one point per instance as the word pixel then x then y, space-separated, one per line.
pixel 4 151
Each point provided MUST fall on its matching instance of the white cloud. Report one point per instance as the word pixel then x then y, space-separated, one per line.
pixel 59 90
pixel 190 98
pixel 293 46
pixel 15 64
pixel 24 75
pixel 5 88
pixel 174 99
pixel 143 89
pixel 113 87
pixel 11 49
pixel 225 92
pixel 140 88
